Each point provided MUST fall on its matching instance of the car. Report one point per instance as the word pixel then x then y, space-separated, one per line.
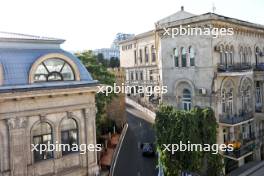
pixel 147 149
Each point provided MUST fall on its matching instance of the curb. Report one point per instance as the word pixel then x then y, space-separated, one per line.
pixel 117 150
pixel 252 170
pixel 141 108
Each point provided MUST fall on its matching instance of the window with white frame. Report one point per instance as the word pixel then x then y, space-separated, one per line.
pixel 186 99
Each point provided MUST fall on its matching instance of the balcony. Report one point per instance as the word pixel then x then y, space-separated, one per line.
pixel 142 82
pixel 235 119
pixel 245 149
pixel 258 67
pixel 233 68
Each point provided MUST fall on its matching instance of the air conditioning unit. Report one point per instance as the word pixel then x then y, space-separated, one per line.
pixel 202 91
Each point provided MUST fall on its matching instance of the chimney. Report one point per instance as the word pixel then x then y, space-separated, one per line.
pixel 182 8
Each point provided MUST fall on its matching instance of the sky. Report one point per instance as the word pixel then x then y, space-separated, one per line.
pixel 91 24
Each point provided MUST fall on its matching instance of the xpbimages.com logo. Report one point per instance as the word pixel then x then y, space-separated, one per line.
pixel 126 89
pixel 192 31
pixel 49 147
pixel 182 147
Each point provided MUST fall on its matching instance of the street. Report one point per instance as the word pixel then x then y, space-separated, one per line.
pixel 130 161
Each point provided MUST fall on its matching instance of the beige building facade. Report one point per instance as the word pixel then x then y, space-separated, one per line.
pixel 224 73
pixel 139 59
pixel 46 97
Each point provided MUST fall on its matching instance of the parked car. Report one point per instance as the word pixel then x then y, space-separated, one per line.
pixel 148 149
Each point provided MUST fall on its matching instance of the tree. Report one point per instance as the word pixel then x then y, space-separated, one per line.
pixel 99 72
pixel 102 60
pixel 197 126
pixel 114 62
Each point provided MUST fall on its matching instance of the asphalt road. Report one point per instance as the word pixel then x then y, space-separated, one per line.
pixel 130 161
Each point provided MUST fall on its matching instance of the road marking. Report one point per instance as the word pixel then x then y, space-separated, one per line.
pixel 140 124
pixel 138 173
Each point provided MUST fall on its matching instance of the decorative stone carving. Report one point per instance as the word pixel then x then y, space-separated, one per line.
pixel 90 112
pixel 42 118
pixel 17 122
pixel 69 114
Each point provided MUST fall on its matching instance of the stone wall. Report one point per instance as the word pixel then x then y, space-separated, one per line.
pixel 19 115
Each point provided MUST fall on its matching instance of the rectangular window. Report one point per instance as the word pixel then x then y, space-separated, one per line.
pixel 131 76
pixel 192 61
pixel 140 56
pixel 42 139
pixel 135 57
pixel 141 75
pixel 153 56
pixel 150 75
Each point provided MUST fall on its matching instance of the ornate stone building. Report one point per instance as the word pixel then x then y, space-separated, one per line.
pixel 138 58
pixel 225 73
pixel 46 96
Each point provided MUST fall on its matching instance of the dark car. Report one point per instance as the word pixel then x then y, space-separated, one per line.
pixel 147 149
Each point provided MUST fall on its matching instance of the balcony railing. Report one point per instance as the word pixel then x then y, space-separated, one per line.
pixel 143 82
pixel 245 149
pixel 234 119
pixel 233 67
pixel 258 67
pixel 238 67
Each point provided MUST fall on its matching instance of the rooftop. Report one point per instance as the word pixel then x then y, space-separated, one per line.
pixel 16 37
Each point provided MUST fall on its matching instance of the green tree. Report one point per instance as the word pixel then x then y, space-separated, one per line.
pixel 197 126
pixel 114 62
pixel 98 71
pixel 102 60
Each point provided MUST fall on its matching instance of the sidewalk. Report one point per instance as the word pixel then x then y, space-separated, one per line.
pixel 247 169
pixel 108 155
pixel 137 112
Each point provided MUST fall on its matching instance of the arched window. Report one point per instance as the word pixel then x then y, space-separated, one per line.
pixel 258 97
pixel 140 56
pixel 257 54
pixel 231 56
pixel 227 101
pixel 226 56
pixel 191 55
pixel 135 57
pixel 183 57
pixel 176 57
pixel 222 60
pixel 53 70
pixel 186 99
pixel 241 55
pixel 245 56
pixel 153 54
pixel 69 135
pixel 246 96
pixel 42 134
pixel 146 54
pixel 249 55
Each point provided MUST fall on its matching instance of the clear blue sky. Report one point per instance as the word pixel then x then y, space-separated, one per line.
pixel 90 24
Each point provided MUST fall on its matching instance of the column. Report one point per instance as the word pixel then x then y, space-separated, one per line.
pixel 18 154
pixel 90 115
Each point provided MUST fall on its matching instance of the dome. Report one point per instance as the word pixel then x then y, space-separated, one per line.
pixel 17 66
